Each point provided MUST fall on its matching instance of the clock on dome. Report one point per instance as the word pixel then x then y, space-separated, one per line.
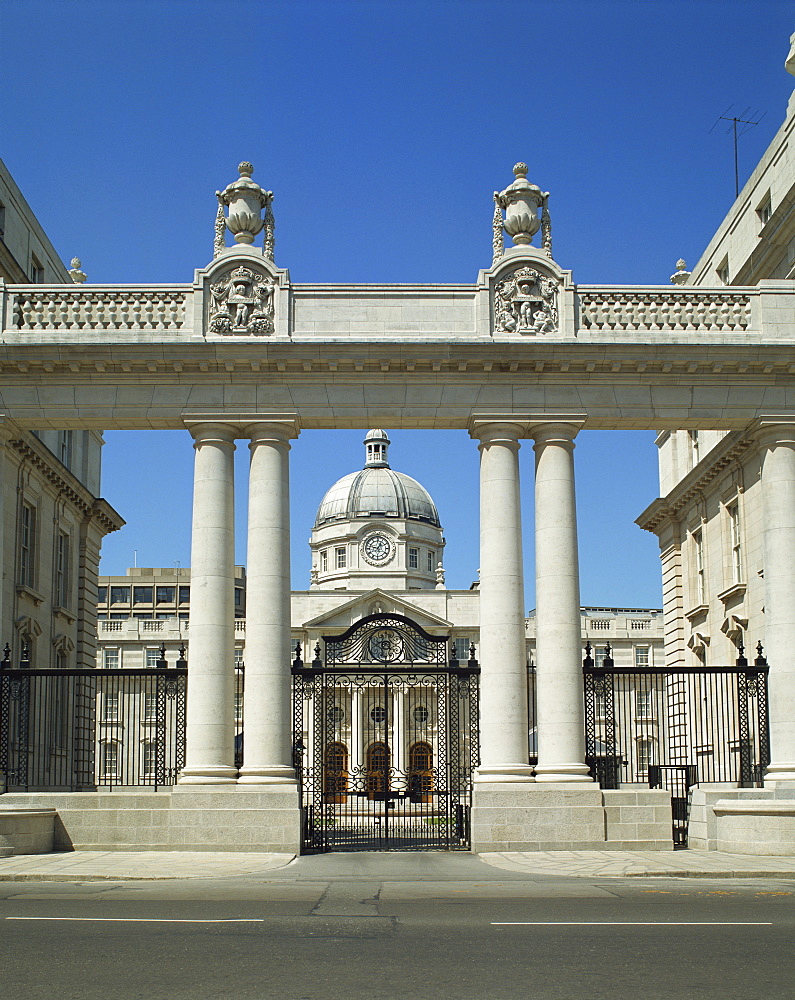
pixel 377 548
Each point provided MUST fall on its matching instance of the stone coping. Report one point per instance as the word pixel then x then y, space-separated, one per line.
pixel 754 807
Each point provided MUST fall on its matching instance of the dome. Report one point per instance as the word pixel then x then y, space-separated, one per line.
pixel 377 491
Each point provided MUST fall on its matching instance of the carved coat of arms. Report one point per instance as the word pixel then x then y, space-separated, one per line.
pixel 526 301
pixel 242 302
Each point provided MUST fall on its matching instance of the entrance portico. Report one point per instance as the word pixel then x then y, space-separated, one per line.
pixel 521 354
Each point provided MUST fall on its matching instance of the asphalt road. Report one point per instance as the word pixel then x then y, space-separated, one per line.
pixel 389 927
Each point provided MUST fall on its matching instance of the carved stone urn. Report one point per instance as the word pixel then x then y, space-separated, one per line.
pixel 521 202
pixel 245 200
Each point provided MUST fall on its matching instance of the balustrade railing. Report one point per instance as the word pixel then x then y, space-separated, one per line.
pixel 693 310
pixel 99 310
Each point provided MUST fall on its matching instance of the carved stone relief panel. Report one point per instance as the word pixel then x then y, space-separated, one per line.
pixel 242 303
pixel 526 301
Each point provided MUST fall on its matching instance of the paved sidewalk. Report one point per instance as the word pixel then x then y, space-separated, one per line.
pixel 598 864
pixel 78 866
pixel 82 866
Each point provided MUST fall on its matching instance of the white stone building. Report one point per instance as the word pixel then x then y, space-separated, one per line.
pixel 53 520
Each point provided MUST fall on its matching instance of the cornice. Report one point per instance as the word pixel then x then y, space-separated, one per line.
pixel 667 508
pixel 40 457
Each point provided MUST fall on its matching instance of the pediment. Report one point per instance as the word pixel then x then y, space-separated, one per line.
pixel 363 605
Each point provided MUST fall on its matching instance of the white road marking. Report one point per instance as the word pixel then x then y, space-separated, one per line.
pixel 631 923
pixel 153 920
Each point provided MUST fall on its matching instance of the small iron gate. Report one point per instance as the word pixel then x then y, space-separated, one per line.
pixel 386 740
pixel 675 728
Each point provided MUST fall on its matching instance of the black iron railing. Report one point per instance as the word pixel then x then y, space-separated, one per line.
pixel 76 730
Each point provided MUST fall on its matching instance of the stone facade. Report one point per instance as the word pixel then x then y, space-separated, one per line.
pixel 52 519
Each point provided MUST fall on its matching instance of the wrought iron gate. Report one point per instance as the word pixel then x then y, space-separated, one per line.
pixel 386 740
pixel 674 728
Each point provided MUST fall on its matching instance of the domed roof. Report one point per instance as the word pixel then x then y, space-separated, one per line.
pixel 377 490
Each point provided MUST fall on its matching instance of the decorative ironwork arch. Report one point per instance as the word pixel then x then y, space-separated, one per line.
pixel 384 640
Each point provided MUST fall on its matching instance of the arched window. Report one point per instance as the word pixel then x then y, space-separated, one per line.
pixel 335 773
pixel 378 764
pixel 420 772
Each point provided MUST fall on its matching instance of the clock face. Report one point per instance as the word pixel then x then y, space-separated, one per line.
pixel 377 548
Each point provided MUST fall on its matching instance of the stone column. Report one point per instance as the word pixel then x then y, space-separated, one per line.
pixel 267 743
pixel 211 673
pixel 778 509
pixel 503 661
pixel 561 736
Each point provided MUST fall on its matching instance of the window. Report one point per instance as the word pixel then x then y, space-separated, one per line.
pixel 65 447
pixel 599 654
pixel 239 708
pixel 641 657
pixel 698 555
pixel 431 562
pixel 336 715
pixel 643 704
pixel 149 711
pixel 111 658
pixel 323 560
pixel 36 270
pixel 378 715
pixel 152 656
pixel 238 657
pixel 723 271
pixel 27 546
pixel 764 211
pixel 599 704
pixel 414 558
pixel 102 595
pixel 341 557
pixel 695 448
pixel 462 644
pixel 119 595
pixel 62 570
pixel 733 511
pixel 148 758
pixel 110 706
pixel 141 595
pixel 184 595
pixel 420 715
pixel 643 750
pixel 110 759
pixel 60 702
pixel 238 597
pixel 167 595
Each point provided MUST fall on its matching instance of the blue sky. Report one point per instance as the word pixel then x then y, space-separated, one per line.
pixel 383 129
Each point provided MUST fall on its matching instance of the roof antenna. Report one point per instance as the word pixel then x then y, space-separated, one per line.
pixel 746 119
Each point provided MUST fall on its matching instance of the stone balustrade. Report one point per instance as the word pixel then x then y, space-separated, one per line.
pixel 101 310
pixel 175 313
pixel 607 309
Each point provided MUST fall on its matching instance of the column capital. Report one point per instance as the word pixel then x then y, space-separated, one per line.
pixel 524 424
pixel 773 429
pixel 246 425
pixel 505 432
pixel 207 431
pixel 273 429
pixel 560 431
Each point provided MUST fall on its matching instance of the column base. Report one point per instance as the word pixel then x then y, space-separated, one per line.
pixel 563 773
pixel 779 773
pixel 220 774
pixel 501 773
pixel 263 775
